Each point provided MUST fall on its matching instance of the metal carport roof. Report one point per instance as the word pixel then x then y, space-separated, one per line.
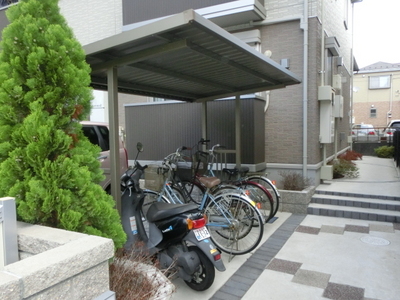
pixel 182 57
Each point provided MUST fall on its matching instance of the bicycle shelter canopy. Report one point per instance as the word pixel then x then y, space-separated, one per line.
pixel 180 57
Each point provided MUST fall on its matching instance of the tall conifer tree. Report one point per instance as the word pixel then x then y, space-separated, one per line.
pixel 45 161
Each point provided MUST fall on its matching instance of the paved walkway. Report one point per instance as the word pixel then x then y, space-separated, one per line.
pixel 315 257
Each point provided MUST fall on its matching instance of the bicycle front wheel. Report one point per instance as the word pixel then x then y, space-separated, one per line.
pixel 234 223
pixel 266 183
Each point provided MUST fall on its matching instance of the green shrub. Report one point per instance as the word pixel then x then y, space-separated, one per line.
pixel 385 151
pixel 294 181
pixel 46 162
pixel 344 168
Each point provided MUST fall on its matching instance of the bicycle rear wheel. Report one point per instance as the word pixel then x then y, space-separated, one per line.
pixel 193 190
pixel 260 195
pixel 266 183
pixel 234 223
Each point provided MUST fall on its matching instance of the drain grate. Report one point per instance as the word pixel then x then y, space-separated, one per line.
pixel 373 240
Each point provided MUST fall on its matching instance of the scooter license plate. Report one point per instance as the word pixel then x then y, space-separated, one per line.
pixel 201 233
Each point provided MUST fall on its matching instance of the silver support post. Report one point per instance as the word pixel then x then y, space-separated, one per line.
pixel 238 130
pixel 112 82
pixel 204 123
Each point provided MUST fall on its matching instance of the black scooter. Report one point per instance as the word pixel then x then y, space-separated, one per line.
pixel 176 233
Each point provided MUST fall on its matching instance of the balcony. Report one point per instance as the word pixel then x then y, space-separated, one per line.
pixel 222 12
pixel 235 12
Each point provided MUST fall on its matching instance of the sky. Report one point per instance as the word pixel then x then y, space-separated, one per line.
pixel 376 32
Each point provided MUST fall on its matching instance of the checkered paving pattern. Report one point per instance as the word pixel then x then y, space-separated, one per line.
pixel 264 258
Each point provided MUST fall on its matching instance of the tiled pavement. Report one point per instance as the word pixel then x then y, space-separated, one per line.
pixel 333 258
pixel 313 257
pixel 240 282
pixel 317 257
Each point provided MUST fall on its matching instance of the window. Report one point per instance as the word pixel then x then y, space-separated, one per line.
pixel 379 82
pixel 372 113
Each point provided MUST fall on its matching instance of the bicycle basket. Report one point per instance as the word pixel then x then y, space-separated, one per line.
pixel 154 179
pixel 200 162
pixel 184 171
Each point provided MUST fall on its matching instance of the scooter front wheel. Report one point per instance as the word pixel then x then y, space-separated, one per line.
pixel 203 278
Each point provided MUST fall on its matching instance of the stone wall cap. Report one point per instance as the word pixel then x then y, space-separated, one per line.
pixel 46 269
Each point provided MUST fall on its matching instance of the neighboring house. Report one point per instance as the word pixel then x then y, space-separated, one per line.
pixel 304 127
pixel 376 94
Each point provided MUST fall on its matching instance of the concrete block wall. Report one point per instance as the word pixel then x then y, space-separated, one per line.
pixel 57 264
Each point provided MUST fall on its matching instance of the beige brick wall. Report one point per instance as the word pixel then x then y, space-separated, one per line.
pixel 362 113
pixel 384 100
pixel 92 20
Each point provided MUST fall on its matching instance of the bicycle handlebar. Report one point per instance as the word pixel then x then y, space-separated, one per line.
pixel 174 157
pixel 212 150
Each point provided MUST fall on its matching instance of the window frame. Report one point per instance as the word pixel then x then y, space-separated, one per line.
pixel 376 82
pixel 373 114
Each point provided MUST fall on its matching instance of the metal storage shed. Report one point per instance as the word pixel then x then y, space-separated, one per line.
pixel 182 57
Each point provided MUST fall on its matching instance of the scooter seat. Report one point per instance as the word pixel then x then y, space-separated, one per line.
pixel 161 210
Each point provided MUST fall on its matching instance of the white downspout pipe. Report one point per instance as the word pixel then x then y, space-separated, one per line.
pixel 323 65
pixel 390 99
pixel 304 26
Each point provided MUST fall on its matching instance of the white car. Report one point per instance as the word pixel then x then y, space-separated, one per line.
pixel 390 129
pixel 364 132
pixel 98 134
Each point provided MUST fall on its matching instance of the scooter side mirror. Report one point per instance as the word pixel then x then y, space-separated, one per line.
pixel 139 147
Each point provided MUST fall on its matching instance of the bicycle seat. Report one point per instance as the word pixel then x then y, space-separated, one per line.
pixel 160 210
pixel 235 171
pixel 209 182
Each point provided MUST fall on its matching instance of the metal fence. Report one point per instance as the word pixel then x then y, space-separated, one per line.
pixel 375 134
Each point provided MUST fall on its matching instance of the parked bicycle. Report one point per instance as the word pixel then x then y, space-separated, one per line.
pixel 203 164
pixel 241 174
pixel 233 219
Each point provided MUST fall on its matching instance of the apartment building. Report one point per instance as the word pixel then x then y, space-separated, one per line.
pixel 376 94
pixel 305 125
